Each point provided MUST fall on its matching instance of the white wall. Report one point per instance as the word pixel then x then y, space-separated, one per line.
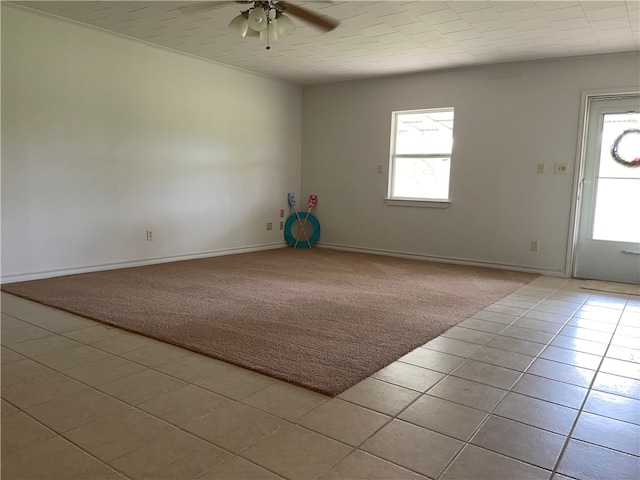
pixel 104 138
pixel 507 119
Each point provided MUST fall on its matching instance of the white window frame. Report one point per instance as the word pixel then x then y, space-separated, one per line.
pixel 413 202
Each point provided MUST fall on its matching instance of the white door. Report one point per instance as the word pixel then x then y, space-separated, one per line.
pixel 608 240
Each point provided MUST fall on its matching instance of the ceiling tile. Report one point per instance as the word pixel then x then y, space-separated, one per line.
pixel 398 19
pixel 463 7
pixel 531 24
pixel 377 30
pixel 597 5
pixel 502 34
pixel 608 13
pixel 465 35
pixel 422 8
pixel 509 6
pixel 441 16
pixel 564 14
pixel 414 28
pixel 522 14
pixel 483 15
pixel 547 6
pixel 491 25
pixel 374 37
pixel 570 24
pixel 428 37
pixel 451 27
pixel 611 24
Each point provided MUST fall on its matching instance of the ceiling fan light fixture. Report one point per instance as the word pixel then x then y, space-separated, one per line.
pixel 267 19
pixel 270 34
pixel 258 19
pixel 285 25
pixel 240 24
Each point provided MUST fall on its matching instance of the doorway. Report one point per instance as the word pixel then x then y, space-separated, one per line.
pixel 607 243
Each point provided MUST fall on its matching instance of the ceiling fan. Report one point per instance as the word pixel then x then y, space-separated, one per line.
pixel 267 18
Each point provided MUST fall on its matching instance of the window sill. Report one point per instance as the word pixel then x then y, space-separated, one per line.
pixel 396 202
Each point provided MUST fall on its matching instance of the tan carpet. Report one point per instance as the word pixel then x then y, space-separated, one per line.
pixel 322 319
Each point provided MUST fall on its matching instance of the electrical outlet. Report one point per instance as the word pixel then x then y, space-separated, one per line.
pixel 149 235
pixel 282 213
pixel 269 226
pixel 561 168
pixel 535 245
pixel 541 168
pixel 379 168
pixel 281 225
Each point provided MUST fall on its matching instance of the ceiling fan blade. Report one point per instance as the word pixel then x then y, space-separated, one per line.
pixel 325 23
pixel 203 6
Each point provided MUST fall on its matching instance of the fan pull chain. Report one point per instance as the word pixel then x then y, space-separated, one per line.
pixel 268 47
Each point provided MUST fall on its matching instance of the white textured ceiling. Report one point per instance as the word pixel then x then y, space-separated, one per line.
pixel 375 37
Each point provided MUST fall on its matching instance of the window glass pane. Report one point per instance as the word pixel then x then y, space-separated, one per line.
pixel 424 133
pixel 618 191
pixel 616 217
pixel 421 178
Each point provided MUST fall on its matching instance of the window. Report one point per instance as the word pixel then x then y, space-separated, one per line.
pixel 421 142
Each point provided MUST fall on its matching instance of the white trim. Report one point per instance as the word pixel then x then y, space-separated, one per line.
pixel 411 202
pixel 576 201
pixel 22 277
pixel 393 156
pixel 440 259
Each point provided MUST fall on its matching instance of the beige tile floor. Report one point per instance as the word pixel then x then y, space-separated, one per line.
pixel 543 384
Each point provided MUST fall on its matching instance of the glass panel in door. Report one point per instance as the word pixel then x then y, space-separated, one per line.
pixel 608 244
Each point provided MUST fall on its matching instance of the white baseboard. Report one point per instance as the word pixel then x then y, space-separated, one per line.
pixel 22 277
pixel 439 259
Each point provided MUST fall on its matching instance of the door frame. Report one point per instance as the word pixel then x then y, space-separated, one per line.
pixel 576 197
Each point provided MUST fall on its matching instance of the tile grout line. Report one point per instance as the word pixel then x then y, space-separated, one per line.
pixel 497 406
pixel 486 419
pixel 138 409
pixel 421 395
pixel 391 417
pixel 584 401
pixel 292 423
pixel 465 443
pixel 135 407
pixel 61 436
